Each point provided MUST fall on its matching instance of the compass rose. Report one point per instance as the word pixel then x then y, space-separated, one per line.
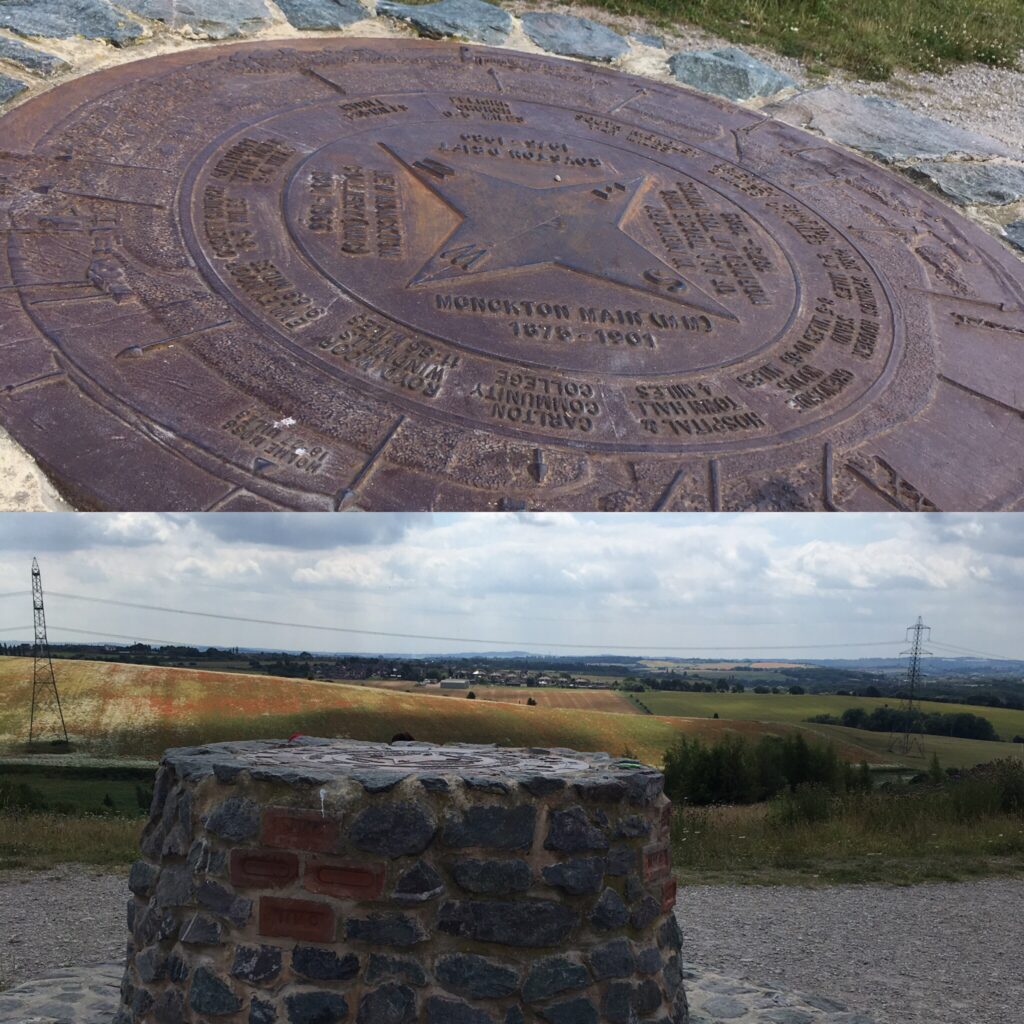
pixel 508 226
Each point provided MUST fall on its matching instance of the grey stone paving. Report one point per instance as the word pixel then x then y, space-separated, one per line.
pixel 73 995
pixel 729 72
pixel 10 87
pixel 570 36
pixel 65 19
pixel 969 182
pixel 214 19
pixel 468 19
pixel 323 14
pixel 39 61
pixel 90 995
pixel 882 128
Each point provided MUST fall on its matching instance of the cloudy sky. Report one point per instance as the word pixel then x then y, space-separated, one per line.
pixel 743 585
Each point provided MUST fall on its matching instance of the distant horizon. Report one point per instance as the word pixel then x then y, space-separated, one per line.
pixel 784 586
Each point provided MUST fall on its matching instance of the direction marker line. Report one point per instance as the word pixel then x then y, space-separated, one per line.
pixel 979 394
pixel 827 468
pixel 323 78
pixel 348 494
pixel 134 351
pixel 629 99
pixel 1001 307
pixel 666 495
pixel 539 468
pixel 34 382
pixel 112 199
pixel 715 485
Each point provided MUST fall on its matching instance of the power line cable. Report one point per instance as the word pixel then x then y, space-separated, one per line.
pixel 464 639
pixel 971 650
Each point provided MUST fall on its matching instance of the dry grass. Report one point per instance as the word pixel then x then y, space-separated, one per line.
pixel 898 839
pixel 139 711
pixel 43 840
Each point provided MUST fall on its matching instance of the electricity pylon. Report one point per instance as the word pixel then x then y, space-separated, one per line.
pixel 917 635
pixel 45 698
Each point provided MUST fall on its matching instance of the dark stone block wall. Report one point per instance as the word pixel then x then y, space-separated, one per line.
pixel 329 881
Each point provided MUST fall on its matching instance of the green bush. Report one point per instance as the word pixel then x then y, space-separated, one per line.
pixel 18 796
pixel 735 771
pixel 808 803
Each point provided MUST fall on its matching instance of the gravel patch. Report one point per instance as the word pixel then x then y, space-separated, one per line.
pixel 927 954
pixel 946 953
pixel 69 916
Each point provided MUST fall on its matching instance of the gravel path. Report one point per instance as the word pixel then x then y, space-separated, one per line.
pixel 67 916
pixel 948 953
pixel 929 954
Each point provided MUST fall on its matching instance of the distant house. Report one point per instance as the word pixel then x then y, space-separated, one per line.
pixel 454 684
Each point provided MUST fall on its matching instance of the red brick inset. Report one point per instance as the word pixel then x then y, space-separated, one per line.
pixel 668 895
pixel 348 881
pixel 292 829
pixel 263 869
pixel 296 919
pixel 657 861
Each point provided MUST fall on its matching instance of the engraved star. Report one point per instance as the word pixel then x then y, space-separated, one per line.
pixel 508 226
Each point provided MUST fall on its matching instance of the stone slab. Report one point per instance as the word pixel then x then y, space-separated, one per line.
pixel 972 182
pixel 65 19
pixel 457 763
pixel 883 128
pixel 728 72
pixel 31 59
pixel 10 87
pixel 467 19
pixel 323 14
pixel 214 19
pixel 569 36
pixel 1015 233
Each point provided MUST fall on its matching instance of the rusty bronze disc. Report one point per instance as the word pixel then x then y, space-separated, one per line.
pixel 416 275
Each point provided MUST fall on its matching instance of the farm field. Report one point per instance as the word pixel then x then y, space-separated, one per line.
pixel 580 700
pixel 138 711
pixel 794 708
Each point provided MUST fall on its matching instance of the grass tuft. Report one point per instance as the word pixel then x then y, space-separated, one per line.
pixel 870 38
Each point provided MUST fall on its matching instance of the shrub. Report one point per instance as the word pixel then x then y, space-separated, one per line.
pixel 733 770
pixel 807 803
pixel 17 796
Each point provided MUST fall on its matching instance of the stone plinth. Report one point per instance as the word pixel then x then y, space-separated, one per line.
pixel 321 881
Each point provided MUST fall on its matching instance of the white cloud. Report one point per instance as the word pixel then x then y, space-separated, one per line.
pixel 599 580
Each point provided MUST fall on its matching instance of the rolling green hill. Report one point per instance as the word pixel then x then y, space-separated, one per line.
pixel 135 710
pixel 795 709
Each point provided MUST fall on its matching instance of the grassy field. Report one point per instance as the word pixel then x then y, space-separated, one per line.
pixel 138 711
pixel 794 709
pixel 134 710
pixel 900 838
pixel 577 700
pixel 870 38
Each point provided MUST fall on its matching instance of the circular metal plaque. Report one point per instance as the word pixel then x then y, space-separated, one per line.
pixel 412 275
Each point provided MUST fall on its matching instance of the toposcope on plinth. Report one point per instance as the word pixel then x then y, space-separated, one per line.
pixel 327 881
pixel 413 275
